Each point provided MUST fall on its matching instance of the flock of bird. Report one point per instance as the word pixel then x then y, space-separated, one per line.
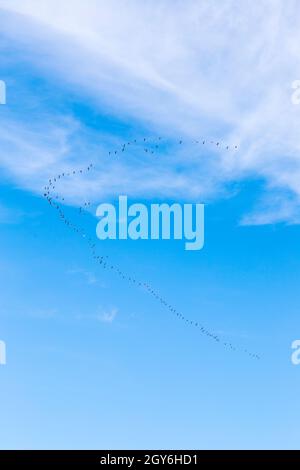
pixel 104 261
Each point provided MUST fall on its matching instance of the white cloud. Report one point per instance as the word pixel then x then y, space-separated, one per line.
pixel 275 207
pixel 108 316
pixel 89 277
pixel 30 150
pixel 103 315
pixel 183 68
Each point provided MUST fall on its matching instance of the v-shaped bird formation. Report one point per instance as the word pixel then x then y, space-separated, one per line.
pixel 56 202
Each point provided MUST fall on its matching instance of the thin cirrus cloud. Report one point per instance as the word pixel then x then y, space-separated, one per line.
pixel 182 68
pixel 103 316
pixel 107 316
pixel 89 277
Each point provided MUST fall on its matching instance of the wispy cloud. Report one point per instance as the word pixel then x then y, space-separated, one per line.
pixel 274 208
pixel 185 68
pixel 108 316
pixel 103 315
pixel 89 277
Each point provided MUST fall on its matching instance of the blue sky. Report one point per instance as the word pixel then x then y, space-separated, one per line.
pixel 93 362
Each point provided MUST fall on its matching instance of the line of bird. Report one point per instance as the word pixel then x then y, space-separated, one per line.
pixel 104 261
